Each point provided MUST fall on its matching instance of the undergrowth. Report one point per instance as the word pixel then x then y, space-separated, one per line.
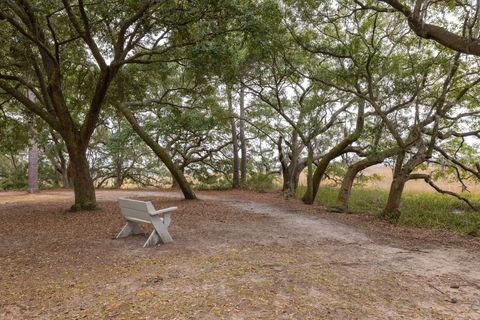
pixel 419 209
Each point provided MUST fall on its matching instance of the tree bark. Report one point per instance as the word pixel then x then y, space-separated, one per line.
pixel 392 208
pixel 65 179
pixel 32 153
pixel 32 164
pixel 288 166
pixel 119 174
pixel 118 182
pixel 311 193
pixel 352 171
pixel 175 184
pixel 401 175
pixel 161 153
pixel 60 162
pixel 294 165
pixel 82 181
pixel 298 171
pixel 347 182
pixel 236 171
pixel 243 141
pixel 291 175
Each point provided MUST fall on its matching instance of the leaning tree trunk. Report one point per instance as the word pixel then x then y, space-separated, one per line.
pixel 175 184
pixel 347 182
pixel 161 153
pixel 311 193
pixel 352 171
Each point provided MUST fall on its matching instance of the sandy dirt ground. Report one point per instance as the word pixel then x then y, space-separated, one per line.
pixel 235 255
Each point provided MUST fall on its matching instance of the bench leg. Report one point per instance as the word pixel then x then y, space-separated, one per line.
pixel 129 228
pixel 161 229
pixel 152 240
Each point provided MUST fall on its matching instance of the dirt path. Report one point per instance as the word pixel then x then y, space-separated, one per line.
pixel 335 267
pixel 452 272
pixel 436 270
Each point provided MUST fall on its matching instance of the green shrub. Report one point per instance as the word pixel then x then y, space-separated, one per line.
pixel 212 182
pixel 260 182
pixel 14 178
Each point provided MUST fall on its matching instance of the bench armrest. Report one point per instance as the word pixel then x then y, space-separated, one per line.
pixel 163 211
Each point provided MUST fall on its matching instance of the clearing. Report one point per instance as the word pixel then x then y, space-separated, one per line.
pixel 235 255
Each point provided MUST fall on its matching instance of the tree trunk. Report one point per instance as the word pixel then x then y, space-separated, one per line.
pixel 401 175
pixel 313 182
pixel 118 182
pixel 288 174
pixel 161 153
pixel 311 193
pixel 293 166
pixel 347 182
pixel 83 186
pixel 60 161
pixel 298 171
pixel 286 186
pixel 236 173
pixel 175 184
pixel 291 175
pixel 32 164
pixel 119 176
pixel 65 179
pixel 391 211
pixel 32 160
pixel 352 171
pixel 243 141
pixel 32 153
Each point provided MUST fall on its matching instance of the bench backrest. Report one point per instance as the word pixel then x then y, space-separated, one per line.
pixel 136 210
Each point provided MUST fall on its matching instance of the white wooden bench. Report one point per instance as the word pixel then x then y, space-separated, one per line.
pixel 137 212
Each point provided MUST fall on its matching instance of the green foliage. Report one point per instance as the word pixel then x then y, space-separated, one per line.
pixel 212 182
pixel 13 178
pixel 260 182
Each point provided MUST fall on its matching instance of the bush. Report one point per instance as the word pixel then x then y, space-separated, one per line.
pixel 212 182
pixel 14 179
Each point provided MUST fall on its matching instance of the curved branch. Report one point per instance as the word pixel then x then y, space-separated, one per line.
pixel 428 179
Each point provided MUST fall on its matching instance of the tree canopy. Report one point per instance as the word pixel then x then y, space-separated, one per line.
pixel 215 94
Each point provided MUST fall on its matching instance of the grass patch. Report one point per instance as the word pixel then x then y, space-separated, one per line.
pixel 419 209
